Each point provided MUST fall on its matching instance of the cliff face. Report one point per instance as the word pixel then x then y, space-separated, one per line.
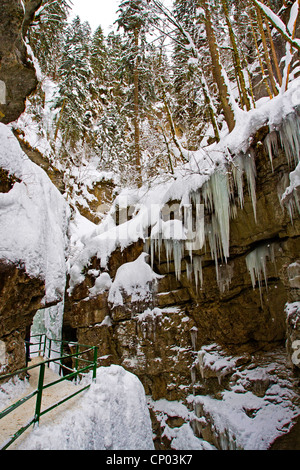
pixel 20 295
pixel 17 73
pixel 167 338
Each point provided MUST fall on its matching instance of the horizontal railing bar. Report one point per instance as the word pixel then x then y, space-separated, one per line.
pixel 41 347
pixel 17 434
pixel 64 400
pixel 62 341
pixel 17 404
pixel 66 377
pixel 2 377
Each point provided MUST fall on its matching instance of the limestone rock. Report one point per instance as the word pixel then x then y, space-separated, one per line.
pixel 20 298
pixel 17 73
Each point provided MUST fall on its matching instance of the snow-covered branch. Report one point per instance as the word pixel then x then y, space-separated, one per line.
pixel 279 24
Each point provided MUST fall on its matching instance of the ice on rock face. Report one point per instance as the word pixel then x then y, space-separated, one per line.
pixel 287 135
pixel 172 234
pixel 257 263
pixel 216 196
pixel 244 165
pixel 290 138
pixel 215 200
pixel 195 267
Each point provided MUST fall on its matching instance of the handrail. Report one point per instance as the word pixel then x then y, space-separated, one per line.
pixel 41 386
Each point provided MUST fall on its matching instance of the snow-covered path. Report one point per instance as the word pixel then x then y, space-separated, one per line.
pixel 19 417
pixel 110 415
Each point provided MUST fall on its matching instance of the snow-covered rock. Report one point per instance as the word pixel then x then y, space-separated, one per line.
pixel 33 220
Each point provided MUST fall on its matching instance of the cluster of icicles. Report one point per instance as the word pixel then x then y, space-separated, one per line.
pixel 219 199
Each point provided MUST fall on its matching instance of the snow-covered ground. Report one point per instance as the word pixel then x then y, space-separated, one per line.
pixel 111 415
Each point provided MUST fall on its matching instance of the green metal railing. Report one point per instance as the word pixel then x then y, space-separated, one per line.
pixel 44 349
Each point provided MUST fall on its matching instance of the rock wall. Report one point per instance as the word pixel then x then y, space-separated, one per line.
pixel 160 340
pixel 17 73
pixel 20 298
pixel 20 294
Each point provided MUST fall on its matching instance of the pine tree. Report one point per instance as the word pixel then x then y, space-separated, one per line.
pixel 217 69
pixel 112 135
pixel 133 18
pixel 74 76
pixel 195 107
pixel 46 34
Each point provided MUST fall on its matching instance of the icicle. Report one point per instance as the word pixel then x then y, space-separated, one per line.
pixel 178 251
pixel 197 269
pixel 156 241
pixel 290 138
pixel 238 175
pixel 188 224
pixel 189 271
pixel 256 264
pixel 250 170
pixel 271 144
pixel 194 334
pixel 216 195
pixel 193 375
pixel 245 164
pixel 201 363
pixel 213 235
pixel 225 275
pixel 195 232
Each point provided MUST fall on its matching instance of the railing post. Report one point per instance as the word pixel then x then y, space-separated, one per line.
pixel 39 394
pixel 40 346
pixel 49 349
pixel 45 339
pixel 76 360
pixel 95 363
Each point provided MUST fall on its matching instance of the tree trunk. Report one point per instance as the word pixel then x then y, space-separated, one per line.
pixel 260 61
pixel 236 57
pixel 136 109
pixel 217 68
pixel 266 52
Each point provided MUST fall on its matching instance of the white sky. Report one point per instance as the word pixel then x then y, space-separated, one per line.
pixel 96 12
pixel 99 12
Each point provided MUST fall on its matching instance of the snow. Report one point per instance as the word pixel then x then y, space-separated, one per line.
pixel 204 182
pixel 211 358
pixel 182 437
pixel 242 417
pixel 102 284
pixel 278 22
pixel 133 279
pixel 291 308
pixel 33 220
pixel 12 390
pixel 294 182
pixel 111 415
